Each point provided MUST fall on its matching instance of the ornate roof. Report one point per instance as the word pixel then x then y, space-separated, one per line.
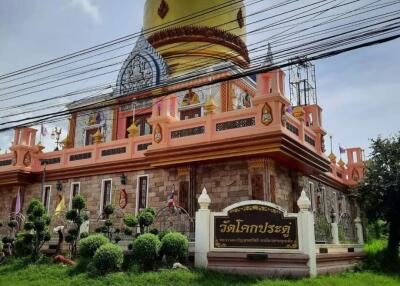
pixel 143 68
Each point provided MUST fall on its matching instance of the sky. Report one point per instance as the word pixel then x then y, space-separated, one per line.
pixel 358 91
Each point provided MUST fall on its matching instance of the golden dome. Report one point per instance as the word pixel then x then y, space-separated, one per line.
pixel 196 33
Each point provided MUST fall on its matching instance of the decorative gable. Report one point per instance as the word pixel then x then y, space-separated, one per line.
pixel 143 68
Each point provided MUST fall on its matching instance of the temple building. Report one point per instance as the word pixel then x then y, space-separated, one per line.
pixel 242 139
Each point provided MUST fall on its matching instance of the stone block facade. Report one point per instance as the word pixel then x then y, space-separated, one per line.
pixel 227 182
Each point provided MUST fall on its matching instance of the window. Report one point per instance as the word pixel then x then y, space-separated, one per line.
pixel 46 197
pixel 184 195
pixel 257 187
pixel 89 136
pixel 272 188
pixel 190 113
pixel 142 191
pixel 105 194
pixel 75 190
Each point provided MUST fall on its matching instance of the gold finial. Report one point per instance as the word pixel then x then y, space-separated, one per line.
pixel 97 137
pixel 332 158
pixel 132 130
pixel 341 163
pixel 210 106
pixel 298 112
pixel 39 147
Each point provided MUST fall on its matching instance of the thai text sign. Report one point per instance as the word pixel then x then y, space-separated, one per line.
pixel 255 226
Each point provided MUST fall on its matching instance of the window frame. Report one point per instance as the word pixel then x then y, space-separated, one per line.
pixel 71 192
pixel 48 198
pixel 102 194
pixel 137 191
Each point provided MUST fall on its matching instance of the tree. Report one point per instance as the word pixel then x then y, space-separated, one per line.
pixel 78 218
pixel 37 227
pixel 379 192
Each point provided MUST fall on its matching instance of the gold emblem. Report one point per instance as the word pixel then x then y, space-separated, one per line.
pixel 239 18
pixel 163 9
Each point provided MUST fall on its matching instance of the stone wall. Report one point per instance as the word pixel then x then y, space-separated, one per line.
pixel 226 182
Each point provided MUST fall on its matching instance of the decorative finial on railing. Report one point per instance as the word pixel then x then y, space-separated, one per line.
pixel 204 200
pixel 303 202
pixel 132 130
pixel 210 106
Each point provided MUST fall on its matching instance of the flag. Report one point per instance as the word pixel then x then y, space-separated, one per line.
pixel 18 203
pixel 342 150
pixel 43 130
pixel 60 207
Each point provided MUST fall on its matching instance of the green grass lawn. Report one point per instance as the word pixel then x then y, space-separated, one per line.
pixel 16 274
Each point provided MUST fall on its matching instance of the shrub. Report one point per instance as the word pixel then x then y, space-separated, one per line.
pixel 175 247
pixel 89 245
pixel 1 246
pixel 378 258
pixel 130 220
pixel 145 249
pixel 23 245
pixel 108 258
pixel 163 233
pixel 78 202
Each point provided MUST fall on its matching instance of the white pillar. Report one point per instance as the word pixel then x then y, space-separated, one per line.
pixel 202 231
pixel 335 233
pixel 359 229
pixel 306 225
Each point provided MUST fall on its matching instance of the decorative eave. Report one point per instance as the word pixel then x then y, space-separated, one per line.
pixel 16 177
pixel 201 34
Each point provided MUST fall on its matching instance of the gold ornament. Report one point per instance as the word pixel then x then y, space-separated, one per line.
pixel 98 137
pixel 332 158
pixel 132 130
pixel 39 147
pixel 298 112
pixel 210 106
pixel 341 164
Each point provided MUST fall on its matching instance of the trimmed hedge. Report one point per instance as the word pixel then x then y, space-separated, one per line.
pixel 89 245
pixel 175 247
pixel 145 249
pixel 108 258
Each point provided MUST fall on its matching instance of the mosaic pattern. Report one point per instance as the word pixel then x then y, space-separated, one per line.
pixel 51 161
pixel 5 163
pixel 292 128
pixel 241 123
pixel 82 156
pixel 142 147
pixel 114 151
pixel 187 132
pixel 309 140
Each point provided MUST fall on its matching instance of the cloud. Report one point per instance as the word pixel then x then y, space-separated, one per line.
pixel 88 8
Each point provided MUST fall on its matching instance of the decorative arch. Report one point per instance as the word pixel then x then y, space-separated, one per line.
pixel 143 68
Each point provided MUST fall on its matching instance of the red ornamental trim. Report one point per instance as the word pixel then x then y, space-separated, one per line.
pixel 123 198
pixel 163 9
pixel 203 34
